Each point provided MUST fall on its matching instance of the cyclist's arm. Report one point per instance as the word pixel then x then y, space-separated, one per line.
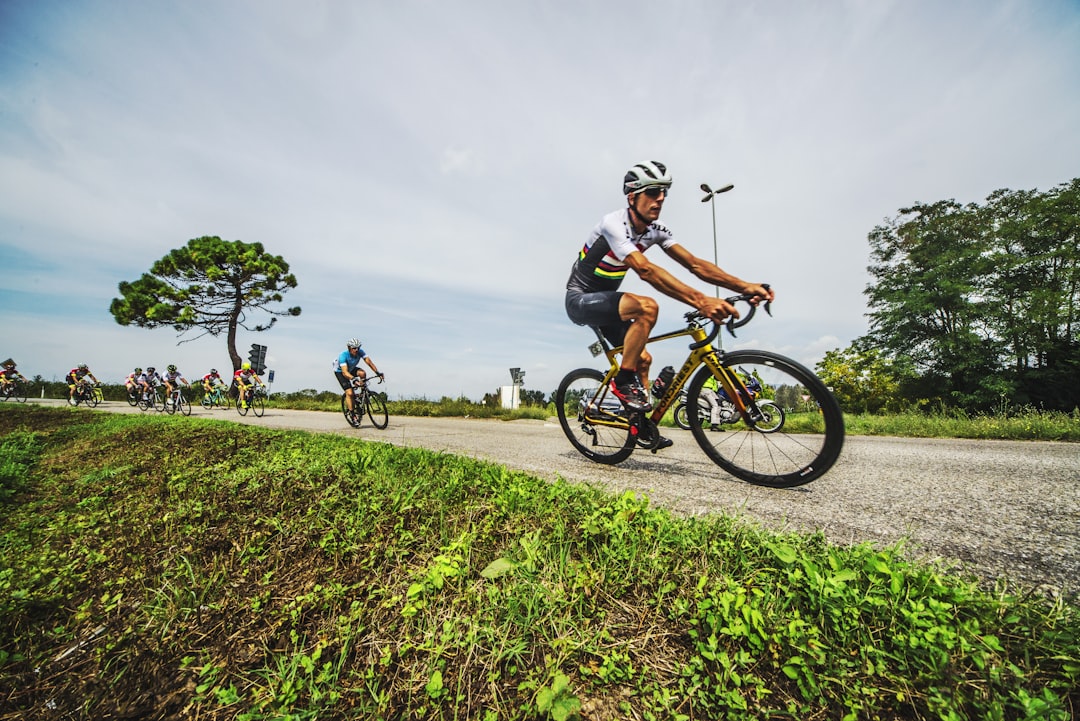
pixel 714 274
pixel 669 285
pixel 371 365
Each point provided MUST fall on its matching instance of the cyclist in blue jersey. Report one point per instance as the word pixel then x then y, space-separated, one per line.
pixel 617 244
pixel 348 367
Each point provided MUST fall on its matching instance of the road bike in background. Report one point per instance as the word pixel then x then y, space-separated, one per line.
pixel 151 399
pixel 760 445
pixel 87 393
pixel 367 401
pixel 253 399
pixel 176 401
pixel 15 390
pixel 216 398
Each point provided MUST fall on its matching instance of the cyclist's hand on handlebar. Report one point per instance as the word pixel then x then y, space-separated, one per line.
pixel 759 292
pixel 717 309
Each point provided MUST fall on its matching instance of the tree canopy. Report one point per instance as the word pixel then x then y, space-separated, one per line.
pixel 211 285
pixel 981 302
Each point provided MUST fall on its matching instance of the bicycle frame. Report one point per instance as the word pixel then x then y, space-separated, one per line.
pixel 701 353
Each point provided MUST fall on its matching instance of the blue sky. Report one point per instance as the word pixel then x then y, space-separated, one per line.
pixel 429 170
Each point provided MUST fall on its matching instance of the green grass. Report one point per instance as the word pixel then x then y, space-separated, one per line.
pixel 158 567
pixel 1022 425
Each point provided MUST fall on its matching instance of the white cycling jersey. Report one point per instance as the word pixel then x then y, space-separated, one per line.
pixel 600 265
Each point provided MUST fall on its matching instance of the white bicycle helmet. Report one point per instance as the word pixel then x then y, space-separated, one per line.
pixel 353 343
pixel 646 174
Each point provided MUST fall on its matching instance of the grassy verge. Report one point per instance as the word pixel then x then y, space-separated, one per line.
pixel 183 568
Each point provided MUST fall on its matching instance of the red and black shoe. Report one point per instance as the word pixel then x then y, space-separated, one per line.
pixel 632 395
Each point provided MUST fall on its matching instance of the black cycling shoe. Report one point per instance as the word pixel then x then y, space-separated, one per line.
pixel 632 395
pixel 664 443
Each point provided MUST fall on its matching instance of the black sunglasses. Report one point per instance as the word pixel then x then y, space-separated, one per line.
pixel 654 192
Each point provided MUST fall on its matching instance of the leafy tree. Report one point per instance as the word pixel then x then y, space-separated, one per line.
pixel 982 300
pixel 863 379
pixel 210 284
pixel 927 302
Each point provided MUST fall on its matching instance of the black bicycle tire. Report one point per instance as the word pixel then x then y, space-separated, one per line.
pixel 350 416
pixel 814 458
pixel 132 399
pixel 258 405
pixel 376 406
pixel 169 404
pixel 783 416
pixel 19 393
pixel 679 416
pixel 623 448
pixel 185 405
pixel 240 407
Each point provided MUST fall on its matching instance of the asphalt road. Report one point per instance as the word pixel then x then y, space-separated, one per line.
pixel 1001 509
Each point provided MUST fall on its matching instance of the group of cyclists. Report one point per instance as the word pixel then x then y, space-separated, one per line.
pixel 144 382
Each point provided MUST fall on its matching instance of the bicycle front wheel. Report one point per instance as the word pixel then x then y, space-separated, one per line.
pixel 184 405
pixel 258 405
pixel 797 433
pixel 376 410
pixel 578 401
pixel 132 399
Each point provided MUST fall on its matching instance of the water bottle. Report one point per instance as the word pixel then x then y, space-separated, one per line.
pixel 662 381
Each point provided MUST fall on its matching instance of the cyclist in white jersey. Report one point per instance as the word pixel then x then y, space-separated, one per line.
pixel 618 244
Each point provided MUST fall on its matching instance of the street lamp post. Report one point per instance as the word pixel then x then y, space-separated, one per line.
pixel 710 197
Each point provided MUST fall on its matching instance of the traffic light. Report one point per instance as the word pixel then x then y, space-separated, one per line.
pixel 257 356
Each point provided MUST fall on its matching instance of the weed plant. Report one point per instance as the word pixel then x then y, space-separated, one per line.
pixel 182 568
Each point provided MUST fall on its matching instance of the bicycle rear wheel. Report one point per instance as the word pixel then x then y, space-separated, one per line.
pixel 132 399
pixel 376 410
pixel 795 448
pixel 241 406
pixel 351 417
pixel 580 390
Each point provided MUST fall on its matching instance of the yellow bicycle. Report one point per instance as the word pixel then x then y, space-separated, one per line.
pixel 750 444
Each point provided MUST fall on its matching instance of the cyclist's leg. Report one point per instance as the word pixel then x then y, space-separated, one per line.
pixel 346 386
pixel 641 311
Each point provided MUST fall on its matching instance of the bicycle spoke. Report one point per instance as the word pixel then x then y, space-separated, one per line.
pixel 586 424
pixel 799 429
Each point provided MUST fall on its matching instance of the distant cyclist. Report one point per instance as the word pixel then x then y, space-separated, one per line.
pixel 246 378
pixel 348 367
pixel 149 381
pixel 9 375
pixel 211 379
pixel 77 377
pixel 132 382
pixel 169 378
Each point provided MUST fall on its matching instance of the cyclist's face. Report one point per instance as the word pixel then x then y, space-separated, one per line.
pixel 354 351
pixel 649 207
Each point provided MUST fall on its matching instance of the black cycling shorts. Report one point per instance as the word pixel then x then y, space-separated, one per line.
pixel 599 310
